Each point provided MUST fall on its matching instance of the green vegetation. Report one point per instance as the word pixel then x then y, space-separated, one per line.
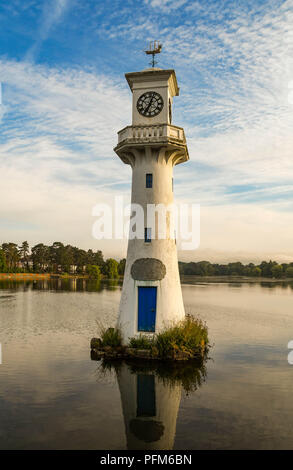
pixel 265 269
pixel 58 259
pixel 277 271
pixel 61 259
pixel 110 269
pixel 188 336
pixel 111 337
pixel 121 266
pixel 3 267
pixel 142 342
pixel 289 272
pixel 93 271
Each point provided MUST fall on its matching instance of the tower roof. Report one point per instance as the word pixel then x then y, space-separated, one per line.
pixel 154 74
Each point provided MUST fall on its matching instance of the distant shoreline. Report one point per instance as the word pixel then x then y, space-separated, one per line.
pixel 44 276
pixel 24 276
pixel 234 278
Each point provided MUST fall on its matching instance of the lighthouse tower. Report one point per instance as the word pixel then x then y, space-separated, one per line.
pixel 151 297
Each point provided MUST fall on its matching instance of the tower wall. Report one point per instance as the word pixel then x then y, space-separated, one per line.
pixel 170 306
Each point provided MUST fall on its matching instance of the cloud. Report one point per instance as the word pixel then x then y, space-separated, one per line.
pixel 56 151
pixel 233 68
pixel 53 11
pixel 166 5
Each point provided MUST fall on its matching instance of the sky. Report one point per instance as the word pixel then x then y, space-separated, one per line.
pixel 64 98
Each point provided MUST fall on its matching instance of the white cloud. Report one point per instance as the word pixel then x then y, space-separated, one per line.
pixel 166 5
pixel 60 126
pixel 56 151
pixel 53 11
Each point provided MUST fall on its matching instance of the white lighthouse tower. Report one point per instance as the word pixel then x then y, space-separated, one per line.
pixel 151 295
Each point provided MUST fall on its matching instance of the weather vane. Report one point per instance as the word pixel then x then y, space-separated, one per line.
pixel 154 48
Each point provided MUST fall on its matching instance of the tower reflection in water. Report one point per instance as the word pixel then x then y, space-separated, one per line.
pixel 150 397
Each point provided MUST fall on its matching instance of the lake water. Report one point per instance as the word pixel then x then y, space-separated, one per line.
pixel 53 396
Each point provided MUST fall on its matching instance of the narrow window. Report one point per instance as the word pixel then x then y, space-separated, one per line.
pixel 149 180
pixel 148 235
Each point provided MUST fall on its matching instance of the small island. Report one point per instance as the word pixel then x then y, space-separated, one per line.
pixel 183 341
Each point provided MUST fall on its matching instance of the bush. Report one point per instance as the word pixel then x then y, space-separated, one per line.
pixel 142 342
pixel 111 269
pixel 93 271
pixel 189 336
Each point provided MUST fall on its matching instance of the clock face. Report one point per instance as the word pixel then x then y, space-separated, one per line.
pixel 150 104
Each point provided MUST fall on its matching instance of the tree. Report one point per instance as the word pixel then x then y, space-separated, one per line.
pixel 121 266
pixel 98 258
pixel 80 260
pixel 236 269
pixel 93 271
pixel 289 271
pixel 55 251
pixel 255 271
pixel 11 255
pixel 66 258
pixel 266 268
pixel 111 268
pixel 24 255
pixel 3 266
pixel 277 271
pixel 40 257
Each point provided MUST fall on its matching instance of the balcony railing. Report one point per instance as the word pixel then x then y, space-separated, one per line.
pixel 154 133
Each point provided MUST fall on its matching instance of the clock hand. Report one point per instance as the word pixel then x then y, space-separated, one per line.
pixel 151 100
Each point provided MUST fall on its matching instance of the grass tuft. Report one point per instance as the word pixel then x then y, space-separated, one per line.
pixel 189 336
pixel 141 342
pixel 111 336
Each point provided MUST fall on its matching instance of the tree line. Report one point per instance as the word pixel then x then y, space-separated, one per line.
pixel 264 269
pixel 59 258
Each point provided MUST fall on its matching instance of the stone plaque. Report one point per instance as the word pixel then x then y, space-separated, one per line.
pixel 148 269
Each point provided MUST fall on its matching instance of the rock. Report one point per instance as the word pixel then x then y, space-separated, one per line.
pixel 131 352
pixel 143 353
pixel 177 355
pixel 121 352
pixel 154 352
pixel 96 354
pixel 96 343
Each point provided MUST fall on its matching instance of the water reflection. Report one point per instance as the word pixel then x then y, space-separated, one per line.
pixel 57 284
pixel 237 283
pixel 60 285
pixel 150 397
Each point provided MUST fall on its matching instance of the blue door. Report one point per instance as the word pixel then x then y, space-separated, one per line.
pixel 147 305
pixel 146 398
